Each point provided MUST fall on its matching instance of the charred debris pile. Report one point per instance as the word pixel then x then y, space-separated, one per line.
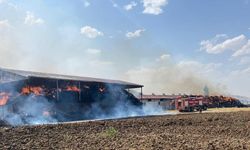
pixel 37 98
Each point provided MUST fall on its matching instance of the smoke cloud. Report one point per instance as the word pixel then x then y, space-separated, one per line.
pixel 27 110
pixel 185 77
pixel 45 47
pixel 120 104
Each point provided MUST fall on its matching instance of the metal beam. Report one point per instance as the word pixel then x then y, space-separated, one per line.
pixel 79 86
pixel 141 93
pixel 57 90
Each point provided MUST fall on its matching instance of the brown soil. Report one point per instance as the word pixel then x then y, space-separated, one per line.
pixel 192 131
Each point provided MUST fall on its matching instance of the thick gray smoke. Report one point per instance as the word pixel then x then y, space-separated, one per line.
pixel 116 102
pixel 28 110
pixel 120 104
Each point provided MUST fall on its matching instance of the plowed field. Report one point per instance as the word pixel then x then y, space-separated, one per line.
pixel 185 131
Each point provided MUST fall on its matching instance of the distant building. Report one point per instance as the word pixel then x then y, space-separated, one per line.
pixel 167 102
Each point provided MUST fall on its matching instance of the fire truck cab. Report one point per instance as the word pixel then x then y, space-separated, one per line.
pixel 190 104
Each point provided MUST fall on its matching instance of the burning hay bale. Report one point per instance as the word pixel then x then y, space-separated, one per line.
pixel 223 101
pixel 4 97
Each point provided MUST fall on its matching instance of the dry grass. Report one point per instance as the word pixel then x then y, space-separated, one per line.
pixel 215 110
pixel 234 109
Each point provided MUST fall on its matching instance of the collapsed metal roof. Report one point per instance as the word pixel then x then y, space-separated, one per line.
pixel 31 74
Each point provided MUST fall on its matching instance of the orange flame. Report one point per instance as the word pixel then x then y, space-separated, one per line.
pixel 25 91
pixel 4 97
pixel 72 88
pixel 35 90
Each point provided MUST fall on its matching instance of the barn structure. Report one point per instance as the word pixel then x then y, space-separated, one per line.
pixel 71 97
pixel 167 102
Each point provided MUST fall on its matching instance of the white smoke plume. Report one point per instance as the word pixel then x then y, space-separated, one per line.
pixel 30 111
pixel 185 77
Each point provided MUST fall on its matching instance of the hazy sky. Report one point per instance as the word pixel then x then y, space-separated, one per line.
pixel 169 46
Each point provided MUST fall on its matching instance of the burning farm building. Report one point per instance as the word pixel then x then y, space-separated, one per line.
pixel 30 97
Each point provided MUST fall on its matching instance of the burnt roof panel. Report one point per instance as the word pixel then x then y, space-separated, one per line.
pixel 69 77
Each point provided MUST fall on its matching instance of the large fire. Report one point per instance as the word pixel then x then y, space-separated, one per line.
pixel 73 88
pixel 39 91
pixel 35 90
pixel 4 97
pixel 228 99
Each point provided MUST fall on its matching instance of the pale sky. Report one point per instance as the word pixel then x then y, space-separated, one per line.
pixel 170 46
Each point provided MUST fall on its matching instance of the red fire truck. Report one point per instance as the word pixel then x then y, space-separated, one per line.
pixel 191 103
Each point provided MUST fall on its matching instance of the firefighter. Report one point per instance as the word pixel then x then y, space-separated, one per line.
pixel 200 108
